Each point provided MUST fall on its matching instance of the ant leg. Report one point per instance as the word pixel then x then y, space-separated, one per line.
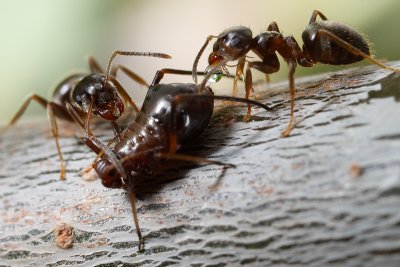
pixel 122 92
pixel 160 74
pixel 129 73
pixel 52 110
pixel 268 66
pixel 292 68
pixel 355 50
pixel 94 65
pixel 190 158
pixel 314 16
pixel 273 26
pixel 132 198
pixel 196 60
pixel 98 147
pixel 43 102
pixel 74 114
pixel 88 117
pixel 248 81
pixel 239 73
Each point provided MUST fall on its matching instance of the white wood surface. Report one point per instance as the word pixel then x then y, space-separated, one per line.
pixel 329 195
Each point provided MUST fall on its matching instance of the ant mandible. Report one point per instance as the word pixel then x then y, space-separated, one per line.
pixel 171 115
pixel 324 41
pixel 81 96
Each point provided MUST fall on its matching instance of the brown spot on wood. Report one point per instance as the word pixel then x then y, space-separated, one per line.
pixel 64 234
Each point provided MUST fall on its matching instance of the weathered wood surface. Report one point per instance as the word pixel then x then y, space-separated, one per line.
pixel 329 195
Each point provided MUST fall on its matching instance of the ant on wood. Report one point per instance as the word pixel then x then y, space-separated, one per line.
pixel 81 96
pixel 171 115
pixel 324 41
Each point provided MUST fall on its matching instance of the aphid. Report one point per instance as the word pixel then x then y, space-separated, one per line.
pixel 324 41
pixel 171 115
pixel 84 95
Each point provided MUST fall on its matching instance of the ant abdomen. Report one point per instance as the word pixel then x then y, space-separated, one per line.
pixel 322 48
pixel 62 92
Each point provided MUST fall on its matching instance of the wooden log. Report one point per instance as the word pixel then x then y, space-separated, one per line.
pixel 328 195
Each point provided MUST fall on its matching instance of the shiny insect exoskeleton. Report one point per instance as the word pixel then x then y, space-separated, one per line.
pixel 171 115
pixel 82 95
pixel 324 41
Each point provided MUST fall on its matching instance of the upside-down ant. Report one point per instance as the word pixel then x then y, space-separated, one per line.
pixel 81 95
pixel 324 41
pixel 171 115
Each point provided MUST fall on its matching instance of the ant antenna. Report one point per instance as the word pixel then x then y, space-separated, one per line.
pixel 131 53
pixel 110 154
pixel 196 61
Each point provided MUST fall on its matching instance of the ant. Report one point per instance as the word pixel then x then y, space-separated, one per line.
pixel 171 115
pixel 81 96
pixel 324 41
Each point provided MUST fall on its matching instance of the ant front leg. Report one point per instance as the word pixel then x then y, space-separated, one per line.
pixel 269 65
pixel 239 73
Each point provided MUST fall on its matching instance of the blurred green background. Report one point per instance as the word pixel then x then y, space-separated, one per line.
pixel 43 41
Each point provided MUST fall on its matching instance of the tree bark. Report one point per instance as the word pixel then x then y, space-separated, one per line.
pixel 328 195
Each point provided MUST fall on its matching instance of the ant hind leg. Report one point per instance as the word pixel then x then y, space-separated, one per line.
pixel 355 50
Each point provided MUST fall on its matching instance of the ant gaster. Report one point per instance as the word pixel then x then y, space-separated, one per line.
pixel 81 95
pixel 171 115
pixel 324 41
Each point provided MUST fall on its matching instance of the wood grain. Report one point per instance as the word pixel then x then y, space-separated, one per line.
pixel 328 195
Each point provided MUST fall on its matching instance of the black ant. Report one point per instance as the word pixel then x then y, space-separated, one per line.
pixel 171 115
pixel 324 41
pixel 81 95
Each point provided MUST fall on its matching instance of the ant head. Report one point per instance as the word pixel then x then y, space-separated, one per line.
pixel 108 174
pixel 233 43
pixel 214 59
pixel 101 94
